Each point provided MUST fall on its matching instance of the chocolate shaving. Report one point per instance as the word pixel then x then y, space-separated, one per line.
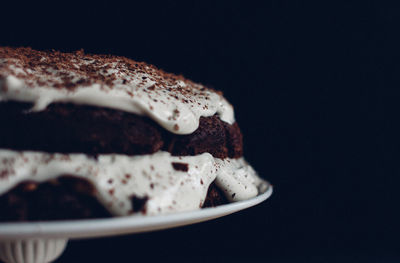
pixel 184 167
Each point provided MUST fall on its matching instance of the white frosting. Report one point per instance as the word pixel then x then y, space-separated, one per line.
pixel 173 102
pixel 118 177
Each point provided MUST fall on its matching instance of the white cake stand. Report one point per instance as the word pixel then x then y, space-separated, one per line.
pixel 42 242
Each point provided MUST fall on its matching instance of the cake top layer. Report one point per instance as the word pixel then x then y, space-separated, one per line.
pixel 45 77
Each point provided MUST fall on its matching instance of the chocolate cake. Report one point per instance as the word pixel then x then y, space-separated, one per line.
pixel 89 136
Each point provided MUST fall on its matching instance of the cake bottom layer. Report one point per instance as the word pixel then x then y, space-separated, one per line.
pixel 68 197
pixel 120 185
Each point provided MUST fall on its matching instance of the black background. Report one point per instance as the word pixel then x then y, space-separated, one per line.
pixel 314 87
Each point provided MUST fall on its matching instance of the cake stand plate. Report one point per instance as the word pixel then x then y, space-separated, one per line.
pixel 40 242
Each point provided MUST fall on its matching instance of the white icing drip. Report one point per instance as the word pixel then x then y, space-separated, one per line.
pixel 133 92
pixel 238 183
pixel 117 177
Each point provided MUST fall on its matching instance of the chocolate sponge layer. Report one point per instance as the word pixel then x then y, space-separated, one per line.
pixel 61 198
pixel 67 197
pixel 68 128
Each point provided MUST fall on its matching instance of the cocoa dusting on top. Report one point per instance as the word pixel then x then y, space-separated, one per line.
pixel 54 69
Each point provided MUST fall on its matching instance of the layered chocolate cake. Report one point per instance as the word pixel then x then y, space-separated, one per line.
pixel 89 136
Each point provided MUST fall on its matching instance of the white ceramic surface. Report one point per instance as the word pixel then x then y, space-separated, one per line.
pixel 31 250
pixel 40 242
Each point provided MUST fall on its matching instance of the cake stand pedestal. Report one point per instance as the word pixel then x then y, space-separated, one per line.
pixel 43 242
pixel 31 250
